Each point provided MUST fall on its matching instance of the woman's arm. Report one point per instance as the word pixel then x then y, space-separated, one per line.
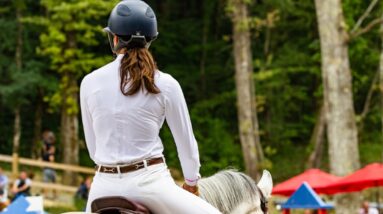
pixel 178 119
pixel 87 120
pixel 14 187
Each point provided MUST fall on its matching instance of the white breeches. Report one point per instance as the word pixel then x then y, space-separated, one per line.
pixel 152 187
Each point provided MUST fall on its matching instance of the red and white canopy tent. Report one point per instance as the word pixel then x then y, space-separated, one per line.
pixel 369 176
pixel 316 178
pixel 324 183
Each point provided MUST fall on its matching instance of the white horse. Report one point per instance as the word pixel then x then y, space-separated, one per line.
pixel 230 191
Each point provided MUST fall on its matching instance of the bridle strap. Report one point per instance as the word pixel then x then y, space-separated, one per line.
pixel 264 202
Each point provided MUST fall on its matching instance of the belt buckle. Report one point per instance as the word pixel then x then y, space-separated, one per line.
pixel 138 165
pixel 106 170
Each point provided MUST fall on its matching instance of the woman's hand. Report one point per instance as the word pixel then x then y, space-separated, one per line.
pixel 191 189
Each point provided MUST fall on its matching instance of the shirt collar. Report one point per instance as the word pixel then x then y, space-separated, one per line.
pixel 119 56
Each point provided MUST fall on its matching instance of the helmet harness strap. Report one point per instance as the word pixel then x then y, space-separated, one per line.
pixel 135 41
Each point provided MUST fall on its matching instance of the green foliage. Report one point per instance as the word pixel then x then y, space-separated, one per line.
pixel 219 149
pixel 60 209
pixel 20 87
pixel 70 25
pixel 364 54
pixel 288 80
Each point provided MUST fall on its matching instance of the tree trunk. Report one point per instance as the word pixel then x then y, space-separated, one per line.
pixel 69 133
pixel 381 82
pixel 259 150
pixel 69 119
pixel 367 103
pixel 208 10
pixel 340 114
pixel 18 59
pixel 37 130
pixel 317 139
pixel 205 13
pixel 246 106
pixel 16 138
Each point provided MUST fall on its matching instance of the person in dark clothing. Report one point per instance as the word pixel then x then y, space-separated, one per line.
pixel 22 185
pixel 83 190
pixel 81 195
pixel 48 155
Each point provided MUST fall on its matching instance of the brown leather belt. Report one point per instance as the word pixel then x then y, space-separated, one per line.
pixel 128 168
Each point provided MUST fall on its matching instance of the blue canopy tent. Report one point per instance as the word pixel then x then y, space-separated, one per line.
pixel 305 198
pixel 25 205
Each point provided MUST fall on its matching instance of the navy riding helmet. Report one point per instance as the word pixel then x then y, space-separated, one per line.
pixel 134 23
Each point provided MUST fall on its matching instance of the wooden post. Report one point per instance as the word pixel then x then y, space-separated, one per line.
pixel 15 165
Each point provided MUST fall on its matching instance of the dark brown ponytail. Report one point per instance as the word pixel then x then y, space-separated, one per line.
pixel 137 68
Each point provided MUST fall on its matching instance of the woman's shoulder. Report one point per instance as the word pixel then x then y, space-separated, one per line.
pixel 165 78
pixel 99 74
pixel 165 81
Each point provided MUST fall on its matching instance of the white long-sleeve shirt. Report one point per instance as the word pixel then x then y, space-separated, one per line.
pixel 123 129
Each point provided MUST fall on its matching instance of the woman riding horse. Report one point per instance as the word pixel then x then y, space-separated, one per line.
pixel 229 191
pixel 123 106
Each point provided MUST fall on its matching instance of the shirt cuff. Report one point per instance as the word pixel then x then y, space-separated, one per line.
pixel 192 182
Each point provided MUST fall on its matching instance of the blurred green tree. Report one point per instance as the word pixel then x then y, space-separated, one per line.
pixel 24 80
pixel 70 42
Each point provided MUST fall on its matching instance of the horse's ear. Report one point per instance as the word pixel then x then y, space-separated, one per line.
pixel 266 183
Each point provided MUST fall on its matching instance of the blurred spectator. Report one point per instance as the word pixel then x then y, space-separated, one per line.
pixel 22 185
pixel 48 154
pixel 366 209
pixel 82 193
pixel 3 189
pixel 3 184
pixel 83 190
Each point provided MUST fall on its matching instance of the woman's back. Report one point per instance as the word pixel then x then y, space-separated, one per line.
pixel 126 128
